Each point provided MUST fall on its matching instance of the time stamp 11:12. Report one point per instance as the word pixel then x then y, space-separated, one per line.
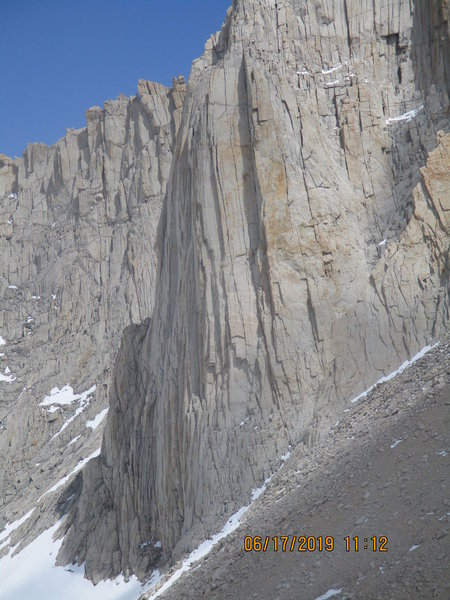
pixel 303 543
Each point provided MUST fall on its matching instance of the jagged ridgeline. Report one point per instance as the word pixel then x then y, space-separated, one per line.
pixel 273 239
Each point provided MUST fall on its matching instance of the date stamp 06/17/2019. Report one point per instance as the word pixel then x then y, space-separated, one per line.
pixel 303 543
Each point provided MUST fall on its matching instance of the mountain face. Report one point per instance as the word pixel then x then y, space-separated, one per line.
pixel 78 229
pixel 267 243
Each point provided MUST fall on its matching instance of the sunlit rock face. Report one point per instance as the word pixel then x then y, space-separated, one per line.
pixel 78 229
pixel 302 253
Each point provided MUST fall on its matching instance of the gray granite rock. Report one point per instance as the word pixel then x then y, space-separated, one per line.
pixel 78 237
pixel 302 254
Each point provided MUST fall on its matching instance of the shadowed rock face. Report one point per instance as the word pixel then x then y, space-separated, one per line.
pixel 303 254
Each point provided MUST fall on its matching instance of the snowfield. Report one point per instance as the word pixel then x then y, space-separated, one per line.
pixel 32 575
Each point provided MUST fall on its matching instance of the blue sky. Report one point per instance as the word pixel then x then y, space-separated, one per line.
pixel 59 57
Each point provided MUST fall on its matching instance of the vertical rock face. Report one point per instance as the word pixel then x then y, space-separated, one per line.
pixel 272 243
pixel 304 255
pixel 78 231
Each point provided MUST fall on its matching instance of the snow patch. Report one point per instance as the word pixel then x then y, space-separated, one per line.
pixel 97 419
pixel 69 420
pixel 74 440
pixel 202 550
pixel 65 396
pixel 2 341
pixel 401 368
pixel 6 376
pixel 256 493
pixel 407 116
pixel 395 443
pixel 79 466
pixel 10 527
pixel 382 243
pixel 12 287
pixel 329 594
pixel 287 455
pixel 414 547
pixel 332 70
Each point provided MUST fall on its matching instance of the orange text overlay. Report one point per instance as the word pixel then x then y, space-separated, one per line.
pixel 310 543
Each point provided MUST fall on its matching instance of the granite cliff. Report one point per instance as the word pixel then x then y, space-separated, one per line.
pixel 273 239
pixel 78 230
